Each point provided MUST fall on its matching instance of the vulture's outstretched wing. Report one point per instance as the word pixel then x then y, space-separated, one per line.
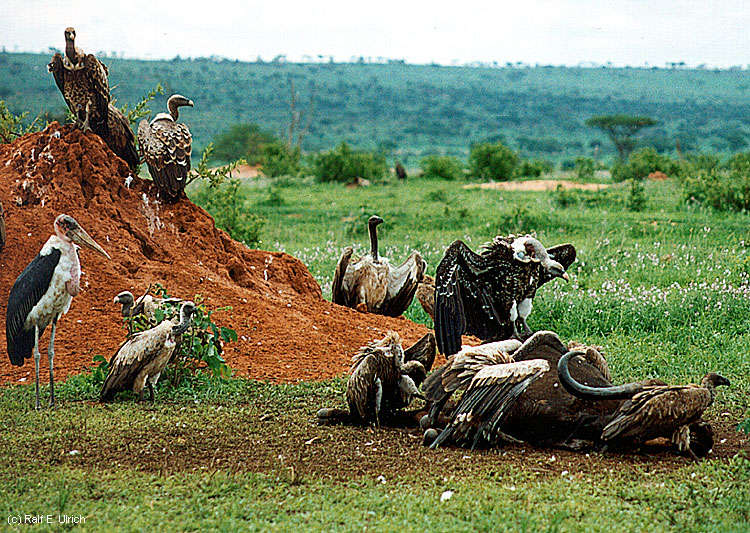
pixel 657 411
pixel 474 292
pixel 424 351
pixel 564 254
pixel 121 139
pixel 338 294
pixel 402 284
pixel 166 147
pixel 530 348
pixel 484 405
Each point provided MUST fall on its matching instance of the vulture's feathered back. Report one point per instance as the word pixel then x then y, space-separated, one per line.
pixel 371 284
pixel 82 80
pixel 121 138
pixel 483 294
pixel 166 146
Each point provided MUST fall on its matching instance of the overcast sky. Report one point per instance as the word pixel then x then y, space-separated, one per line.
pixel 634 32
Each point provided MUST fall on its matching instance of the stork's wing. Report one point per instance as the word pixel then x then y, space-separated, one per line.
pixel 483 407
pixel 131 357
pixel 58 72
pixel 338 295
pixel 657 411
pixel 564 254
pixel 166 147
pixel 27 290
pixel 402 284
pixel 121 139
pixel 468 290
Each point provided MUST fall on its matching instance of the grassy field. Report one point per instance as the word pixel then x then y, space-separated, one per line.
pixel 666 291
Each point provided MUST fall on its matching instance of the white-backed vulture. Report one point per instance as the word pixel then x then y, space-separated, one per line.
pixel 371 284
pixel 426 295
pixel 485 294
pixel 165 146
pixel 82 80
pixel 145 305
pixel 120 137
pixel 141 359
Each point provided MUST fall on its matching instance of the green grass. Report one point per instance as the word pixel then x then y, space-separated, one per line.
pixel 665 291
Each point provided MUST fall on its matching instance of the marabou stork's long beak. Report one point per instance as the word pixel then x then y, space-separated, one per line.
pixel 80 237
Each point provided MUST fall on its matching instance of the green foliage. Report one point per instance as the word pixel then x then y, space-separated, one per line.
pixel 243 141
pixel 342 164
pixel 696 162
pixel 212 176
pixel 641 163
pixel 721 189
pixel 564 198
pixel 275 198
pixel 442 166
pixel 744 426
pixel 280 160
pixel 621 129
pixel 492 161
pixel 533 168
pixel 636 197
pixel 584 168
pixel 225 203
pixel 141 109
pixel 12 126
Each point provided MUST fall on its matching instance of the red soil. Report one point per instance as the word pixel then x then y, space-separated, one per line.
pixel 287 331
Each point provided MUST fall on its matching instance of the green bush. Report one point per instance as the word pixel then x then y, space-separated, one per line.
pixel 584 168
pixel 721 189
pixel 641 163
pixel 280 160
pixel 224 203
pixel 243 141
pixel 442 166
pixel 342 164
pixel 636 197
pixel 533 168
pixel 12 126
pixel 492 161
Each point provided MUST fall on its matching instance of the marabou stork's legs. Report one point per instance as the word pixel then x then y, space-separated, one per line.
pixel 37 358
pixel 51 356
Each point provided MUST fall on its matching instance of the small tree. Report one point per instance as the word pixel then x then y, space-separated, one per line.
pixel 621 130
pixel 343 164
pixel 246 141
pixel 442 166
pixel 492 161
pixel 280 160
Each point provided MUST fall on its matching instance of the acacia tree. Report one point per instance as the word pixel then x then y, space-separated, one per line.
pixel 621 129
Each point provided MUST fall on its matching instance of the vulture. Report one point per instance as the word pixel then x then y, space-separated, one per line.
pixel 371 284
pixel 141 359
pixel 426 295
pixel 653 411
pixel 165 145
pixel 145 305
pixel 384 378
pixel 485 294
pixel 400 171
pixel 2 227
pixel 120 137
pixel 82 80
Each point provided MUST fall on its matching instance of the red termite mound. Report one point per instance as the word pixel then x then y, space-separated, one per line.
pixel 287 331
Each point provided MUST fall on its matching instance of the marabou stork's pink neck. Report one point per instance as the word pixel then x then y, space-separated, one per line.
pixel 69 249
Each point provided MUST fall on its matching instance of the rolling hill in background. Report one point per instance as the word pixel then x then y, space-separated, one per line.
pixel 412 110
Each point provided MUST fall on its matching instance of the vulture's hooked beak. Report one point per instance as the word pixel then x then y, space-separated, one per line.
pixel 565 276
pixel 190 103
pixel 80 237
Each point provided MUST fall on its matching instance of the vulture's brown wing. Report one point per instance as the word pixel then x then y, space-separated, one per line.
pixel 98 84
pixel 565 254
pixel 474 291
pixel 426 295
pixel 338 295
pixel 57 69
pixel 121 139
pixel 657 412
pixel 424 351
pixel 166 147
pixel 402 284
pixel 484 405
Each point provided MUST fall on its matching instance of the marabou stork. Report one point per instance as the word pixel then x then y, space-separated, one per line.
pixel 43 292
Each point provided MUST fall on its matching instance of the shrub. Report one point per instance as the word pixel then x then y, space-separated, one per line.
pixel 245 141
pixel 442 166
pixel 533 168
pixel 223 202
pixel 642 163
pixel 11 126
pixel 280 160
pixel 492 161
pixel 342 164
pixel 721 189
pixel 636 197
pixel 584 168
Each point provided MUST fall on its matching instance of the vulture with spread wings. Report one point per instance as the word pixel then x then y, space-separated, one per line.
pixel 488 294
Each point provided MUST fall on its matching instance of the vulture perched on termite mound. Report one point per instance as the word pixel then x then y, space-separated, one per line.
pixel 371 284
pixel 485 294
pixel 142 358
pixel 384 378
pixel 120 137
pixel 653 411
pixel 165 146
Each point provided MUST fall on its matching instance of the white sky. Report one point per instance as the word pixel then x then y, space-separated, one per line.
pixel 633 32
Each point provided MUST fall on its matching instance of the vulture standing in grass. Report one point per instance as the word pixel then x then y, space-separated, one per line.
pixel 82 80
pixel 142 358
pixel 384 378
pixel 165 146
pixel 371 284
pixel 485 294
pixel 669 411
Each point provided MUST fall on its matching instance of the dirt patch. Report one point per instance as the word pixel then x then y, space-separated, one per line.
pixel 658 176
pixel 246 172
pixel 536 185
pixel 287 331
